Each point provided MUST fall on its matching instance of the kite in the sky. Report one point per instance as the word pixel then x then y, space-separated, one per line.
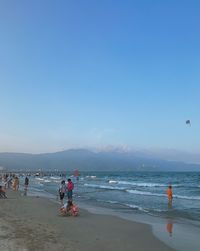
pixel 188 122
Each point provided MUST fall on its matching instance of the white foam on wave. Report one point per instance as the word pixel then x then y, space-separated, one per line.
pixel 137 207
pixel 47 181
pixel 40 179
pixel 43 180
pixel 127 205
pixel 137 192
pixel 55 178
pixel 160 210
pixel 145 193
pixel 144 184
pixel 103 187
pixel 140 184
pixel 108 201
pixel 112 181
pixel 186 197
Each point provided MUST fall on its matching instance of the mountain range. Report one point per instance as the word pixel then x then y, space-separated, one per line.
pixel 87 160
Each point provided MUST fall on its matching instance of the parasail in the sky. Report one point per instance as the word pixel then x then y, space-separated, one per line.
pixel 188 122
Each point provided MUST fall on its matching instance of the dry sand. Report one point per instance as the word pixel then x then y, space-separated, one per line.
pixel 34 224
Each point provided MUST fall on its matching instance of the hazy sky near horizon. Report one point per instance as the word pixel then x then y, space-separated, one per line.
pixel 76 73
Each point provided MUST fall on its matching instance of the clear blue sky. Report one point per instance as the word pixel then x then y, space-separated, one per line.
pixel 77 73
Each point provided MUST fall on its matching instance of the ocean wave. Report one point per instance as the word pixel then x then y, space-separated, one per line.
pixel 43 180
pixel 137 207
pixel 40 179
pixel 47 181
pixel 186 197
pixel 103 187
pixel 141 184
pixel 108 201
pixel 159 210
pixel 137 192
pixel 56 181
pixel 113 182
pixel 55 178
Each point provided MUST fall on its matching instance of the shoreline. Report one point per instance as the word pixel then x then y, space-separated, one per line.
pixel 33 223
pixel 174 232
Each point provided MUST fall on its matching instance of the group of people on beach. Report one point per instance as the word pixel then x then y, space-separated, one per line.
pixel 11 181
pixel 65 189
pixel 68 208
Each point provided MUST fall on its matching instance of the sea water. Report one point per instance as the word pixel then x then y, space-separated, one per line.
pixel 141 192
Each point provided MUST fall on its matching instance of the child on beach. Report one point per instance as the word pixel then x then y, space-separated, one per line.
pixel 63 209
pixel 169 194
pixel 69 209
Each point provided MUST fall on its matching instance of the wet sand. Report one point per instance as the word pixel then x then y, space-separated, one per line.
pixel 34 224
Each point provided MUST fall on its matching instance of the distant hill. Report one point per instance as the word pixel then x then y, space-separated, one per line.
pixel 86 160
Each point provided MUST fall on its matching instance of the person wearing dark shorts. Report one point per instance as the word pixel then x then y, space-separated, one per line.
pixel 62 191
pixel 26 182
pixel 69 195
pixel 62 195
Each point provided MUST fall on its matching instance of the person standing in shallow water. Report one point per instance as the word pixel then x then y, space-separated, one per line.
pixel 62 191
pixel 26 183
pixel 70 187
pixel 169 195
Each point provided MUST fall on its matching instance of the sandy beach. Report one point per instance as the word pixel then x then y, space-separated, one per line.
pixel 33 223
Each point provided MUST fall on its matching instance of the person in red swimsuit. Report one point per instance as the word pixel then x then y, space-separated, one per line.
pixel 169 194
